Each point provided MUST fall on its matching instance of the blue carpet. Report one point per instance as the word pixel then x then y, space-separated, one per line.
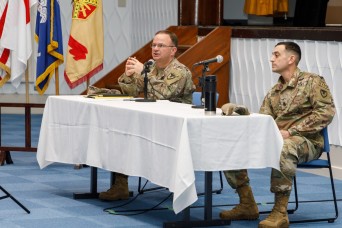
pixel 48 193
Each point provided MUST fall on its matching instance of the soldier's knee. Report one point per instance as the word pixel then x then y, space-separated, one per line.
pixel 288 164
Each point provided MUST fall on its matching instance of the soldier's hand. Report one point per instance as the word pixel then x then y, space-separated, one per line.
pixel 285 134
pixel 230 109
pixel 133 66
pixel 241 110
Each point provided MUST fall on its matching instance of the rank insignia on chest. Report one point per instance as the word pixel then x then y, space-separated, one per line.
pixel 171 76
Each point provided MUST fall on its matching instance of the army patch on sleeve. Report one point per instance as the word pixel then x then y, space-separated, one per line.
pixel 323 85
pixel 324 93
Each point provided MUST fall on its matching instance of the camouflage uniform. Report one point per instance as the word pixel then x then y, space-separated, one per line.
pixel 172 83
pixel 303 106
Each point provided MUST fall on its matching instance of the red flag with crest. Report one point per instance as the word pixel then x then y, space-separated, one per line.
pixel 84 56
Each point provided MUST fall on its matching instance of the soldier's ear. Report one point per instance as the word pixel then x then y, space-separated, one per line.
pixel 292 59
pixel 174 50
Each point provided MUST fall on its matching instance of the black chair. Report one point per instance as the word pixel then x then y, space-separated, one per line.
pixel 318 164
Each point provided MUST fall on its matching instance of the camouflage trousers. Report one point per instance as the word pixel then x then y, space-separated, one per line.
pixel 296 149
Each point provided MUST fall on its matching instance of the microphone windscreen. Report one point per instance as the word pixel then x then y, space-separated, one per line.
pixel 219 58
pixel 149 62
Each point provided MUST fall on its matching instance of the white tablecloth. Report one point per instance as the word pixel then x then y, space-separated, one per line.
pixel 163 141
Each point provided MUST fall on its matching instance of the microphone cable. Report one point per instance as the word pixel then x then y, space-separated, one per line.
pixel 200 83
pixel 154 90
pixel 139 211
pixel 111 210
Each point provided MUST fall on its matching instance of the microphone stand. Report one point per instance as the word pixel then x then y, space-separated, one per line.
pixel 202 84
pixel 145 71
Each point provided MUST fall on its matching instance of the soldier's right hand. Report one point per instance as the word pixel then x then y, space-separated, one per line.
pixel 228 109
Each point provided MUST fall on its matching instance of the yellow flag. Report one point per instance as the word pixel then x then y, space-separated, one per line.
pixel 84 56
pixel 266 7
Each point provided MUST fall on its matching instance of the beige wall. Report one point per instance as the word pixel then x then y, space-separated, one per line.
pixel 334 15
pixel 335 3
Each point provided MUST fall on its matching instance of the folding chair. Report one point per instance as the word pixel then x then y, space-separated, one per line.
pixel 196 100
pixel 318 164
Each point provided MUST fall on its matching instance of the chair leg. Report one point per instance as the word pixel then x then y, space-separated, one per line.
pixel 8 158
pixel 332 219
pixel 333 190
pixel 291 211
pixel 141 190
pixel 2 157
pixel 221 184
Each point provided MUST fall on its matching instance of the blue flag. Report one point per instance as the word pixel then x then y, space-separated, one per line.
pixel 48 35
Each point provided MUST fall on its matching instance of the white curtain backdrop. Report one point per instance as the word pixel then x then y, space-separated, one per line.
pixel 251 75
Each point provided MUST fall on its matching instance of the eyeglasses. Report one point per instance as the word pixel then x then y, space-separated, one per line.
pixel 160 46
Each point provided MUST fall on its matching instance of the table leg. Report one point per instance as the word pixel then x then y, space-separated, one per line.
pixel 208 197
pixel 207 221
pixel 93 187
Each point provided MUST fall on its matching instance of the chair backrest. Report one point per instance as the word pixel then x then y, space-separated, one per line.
pixel 196 98
pixel 326 147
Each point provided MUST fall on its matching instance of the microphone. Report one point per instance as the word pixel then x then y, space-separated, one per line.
pixel 145 71
pixel 149 63
pixel 218 59
pixel 147 66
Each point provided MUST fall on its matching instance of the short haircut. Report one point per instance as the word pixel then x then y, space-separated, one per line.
pixel 172 36
pixel 292 46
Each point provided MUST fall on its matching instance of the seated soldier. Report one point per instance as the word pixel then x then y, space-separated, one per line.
pixel 301 105
pixel 168 79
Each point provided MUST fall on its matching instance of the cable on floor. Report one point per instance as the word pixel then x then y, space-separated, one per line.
pixel 111 210
pixel 137 211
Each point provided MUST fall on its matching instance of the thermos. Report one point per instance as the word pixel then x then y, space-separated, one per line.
pixel 210 95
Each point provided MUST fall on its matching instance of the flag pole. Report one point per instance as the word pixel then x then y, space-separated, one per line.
pixel 27 85
pixel 57 80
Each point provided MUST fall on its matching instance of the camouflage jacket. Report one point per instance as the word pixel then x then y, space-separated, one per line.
pixel 303 106
pixel 172 83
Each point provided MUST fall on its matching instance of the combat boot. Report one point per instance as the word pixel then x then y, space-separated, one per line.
pixel 278 217
pixel 246 209
pixel 118 191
